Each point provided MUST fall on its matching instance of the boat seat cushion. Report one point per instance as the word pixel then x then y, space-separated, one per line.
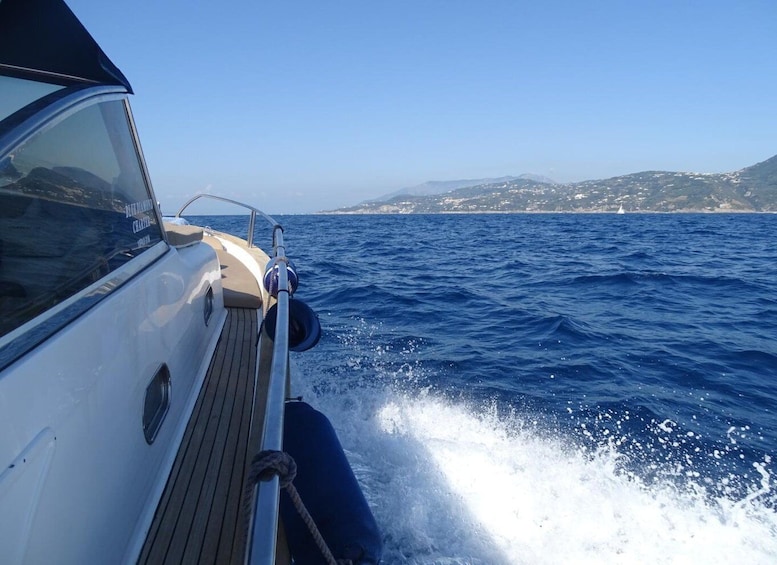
pixel 182 235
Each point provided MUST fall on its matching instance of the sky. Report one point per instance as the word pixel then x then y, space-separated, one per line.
pixel 301 106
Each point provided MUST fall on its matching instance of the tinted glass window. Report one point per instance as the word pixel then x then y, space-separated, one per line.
pixel 74 206
pixel 17 93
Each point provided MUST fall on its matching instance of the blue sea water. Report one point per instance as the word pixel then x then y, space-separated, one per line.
pixel 555 388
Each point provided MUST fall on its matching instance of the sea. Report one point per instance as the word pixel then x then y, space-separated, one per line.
pixel 548 388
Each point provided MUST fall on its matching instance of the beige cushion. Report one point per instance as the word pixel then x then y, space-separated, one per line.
pixel 240 287
pixel 182 236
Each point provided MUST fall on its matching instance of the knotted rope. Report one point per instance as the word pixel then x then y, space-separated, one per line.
pixel 265 466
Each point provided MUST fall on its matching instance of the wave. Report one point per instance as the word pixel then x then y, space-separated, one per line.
pixel 462 478
pixel 452 483
pixel 664 278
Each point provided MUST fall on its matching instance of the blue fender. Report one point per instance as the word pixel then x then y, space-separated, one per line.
pixel 304 327
pixel 328 488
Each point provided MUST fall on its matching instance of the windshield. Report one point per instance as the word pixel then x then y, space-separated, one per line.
pixel 74 206
pixel 18 92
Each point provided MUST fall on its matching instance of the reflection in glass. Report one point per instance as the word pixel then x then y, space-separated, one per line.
pixel 74 206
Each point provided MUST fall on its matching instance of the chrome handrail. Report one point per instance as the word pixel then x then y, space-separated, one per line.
pixel 251 221
pixel 266 497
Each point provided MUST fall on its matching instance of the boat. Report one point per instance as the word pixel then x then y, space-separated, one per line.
pixel 146 384
pixel 621 210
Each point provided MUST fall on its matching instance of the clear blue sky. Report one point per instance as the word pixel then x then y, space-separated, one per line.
pixel 299 106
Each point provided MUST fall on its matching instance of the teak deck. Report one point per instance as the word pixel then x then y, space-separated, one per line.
pixel 200 518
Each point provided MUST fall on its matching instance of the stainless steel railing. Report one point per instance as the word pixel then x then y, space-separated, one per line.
pixel 251 220
pixel 264 516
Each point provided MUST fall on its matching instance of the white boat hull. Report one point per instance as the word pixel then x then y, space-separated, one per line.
pixel 79 478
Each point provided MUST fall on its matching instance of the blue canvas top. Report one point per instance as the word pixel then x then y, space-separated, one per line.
pixel 43 38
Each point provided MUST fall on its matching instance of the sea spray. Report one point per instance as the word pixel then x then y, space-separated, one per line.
pixel 495 486
pixel 456 482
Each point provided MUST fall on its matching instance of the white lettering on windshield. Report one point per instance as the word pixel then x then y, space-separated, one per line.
pixel 140 225
pixel 135 208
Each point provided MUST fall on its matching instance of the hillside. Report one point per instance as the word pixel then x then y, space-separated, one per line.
pixel 439 187
pixel 752 189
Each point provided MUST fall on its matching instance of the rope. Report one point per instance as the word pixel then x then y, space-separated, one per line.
pixel 265 466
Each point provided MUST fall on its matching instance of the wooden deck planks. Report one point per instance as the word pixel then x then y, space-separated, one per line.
pixel 198 518
pixel 227 497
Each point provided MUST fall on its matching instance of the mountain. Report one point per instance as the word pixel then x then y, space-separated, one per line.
pixel 442 186
pixel 752 189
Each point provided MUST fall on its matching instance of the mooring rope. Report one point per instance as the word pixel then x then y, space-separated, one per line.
pixel 266 465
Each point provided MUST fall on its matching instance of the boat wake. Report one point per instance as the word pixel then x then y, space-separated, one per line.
pixel 450 482
pixel 535 499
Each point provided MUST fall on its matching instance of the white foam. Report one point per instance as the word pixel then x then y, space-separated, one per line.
pixel 453 484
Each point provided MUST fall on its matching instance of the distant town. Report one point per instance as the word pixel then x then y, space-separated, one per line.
pixel 752 189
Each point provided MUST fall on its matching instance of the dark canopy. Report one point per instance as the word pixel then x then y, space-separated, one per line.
pixel 44 35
